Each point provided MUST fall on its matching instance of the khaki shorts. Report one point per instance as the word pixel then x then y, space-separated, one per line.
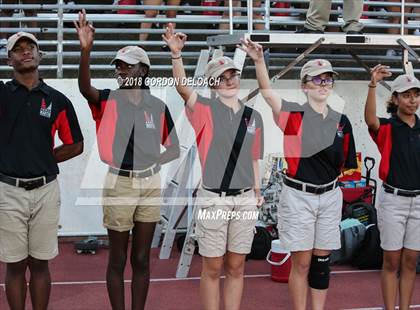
pixel 398 221
pixel 29 222
pixel 225 223
pixel 127 200
pixel 308 221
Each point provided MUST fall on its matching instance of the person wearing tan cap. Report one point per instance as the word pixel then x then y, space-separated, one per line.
pixel 131 127
pixel 398 141
pixel 31 113
pixel 318 146
pixel 230 142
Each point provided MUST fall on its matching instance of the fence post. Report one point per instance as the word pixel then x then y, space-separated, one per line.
pixel 267 15
pixel 60 22
pixel 402 10
pixel 250 15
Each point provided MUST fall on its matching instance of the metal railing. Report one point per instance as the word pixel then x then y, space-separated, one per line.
pixel 61 44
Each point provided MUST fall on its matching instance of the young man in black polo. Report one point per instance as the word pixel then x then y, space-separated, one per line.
pixel 31 113
pixel 131 127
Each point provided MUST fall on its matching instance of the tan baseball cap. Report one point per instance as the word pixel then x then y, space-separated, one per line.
pixel 404 82
pixel 12 40
pixel 218 65
pixel 132 55
pixel 316 67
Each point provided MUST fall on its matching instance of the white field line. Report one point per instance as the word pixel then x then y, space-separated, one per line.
pixel 194 278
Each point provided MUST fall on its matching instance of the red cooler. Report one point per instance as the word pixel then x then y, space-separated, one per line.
pixel 280 262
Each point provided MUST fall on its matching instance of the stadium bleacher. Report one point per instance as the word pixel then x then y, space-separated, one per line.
pixel 60 45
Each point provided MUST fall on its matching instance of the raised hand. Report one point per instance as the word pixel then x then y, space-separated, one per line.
pixel 175 41
pixel 378 73
pixel 254 50
pixel 85 31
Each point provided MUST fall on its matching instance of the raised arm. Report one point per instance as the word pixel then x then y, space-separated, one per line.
pixel 176 42
pixel 86 34
pixel 378 73
pixel 255 51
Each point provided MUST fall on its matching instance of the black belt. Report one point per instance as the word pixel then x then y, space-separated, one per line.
pixel 27 184
pixel 318 190
pixel 232 192
pixel 135 173
pixel 400 192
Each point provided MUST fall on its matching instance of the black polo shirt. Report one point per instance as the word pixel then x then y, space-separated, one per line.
pixel 399 145
pixel 130 136
pixel 216 126
pixel 316 149
pixel 29 120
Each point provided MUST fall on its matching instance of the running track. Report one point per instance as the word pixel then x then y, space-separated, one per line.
pixel 79 284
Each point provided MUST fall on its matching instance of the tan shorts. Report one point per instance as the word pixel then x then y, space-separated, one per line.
pixel 29 222
pixel 398 221
pixel 225 223
pixel 128 200
pixel 307 221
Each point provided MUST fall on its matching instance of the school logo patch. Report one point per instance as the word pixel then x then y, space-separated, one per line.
pixel 250 128
pixel 148 121
pixel 340 132
pixel 45 110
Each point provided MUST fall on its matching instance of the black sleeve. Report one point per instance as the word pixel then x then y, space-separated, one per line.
pixel 200 115
pixel 104 94
pixel 381 135
pixel 168 131
pixel 67 124
pixel 290 117
pixel 98 109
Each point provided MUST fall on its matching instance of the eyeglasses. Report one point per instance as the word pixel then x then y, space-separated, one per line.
pixel 224 79
pixel 318 81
